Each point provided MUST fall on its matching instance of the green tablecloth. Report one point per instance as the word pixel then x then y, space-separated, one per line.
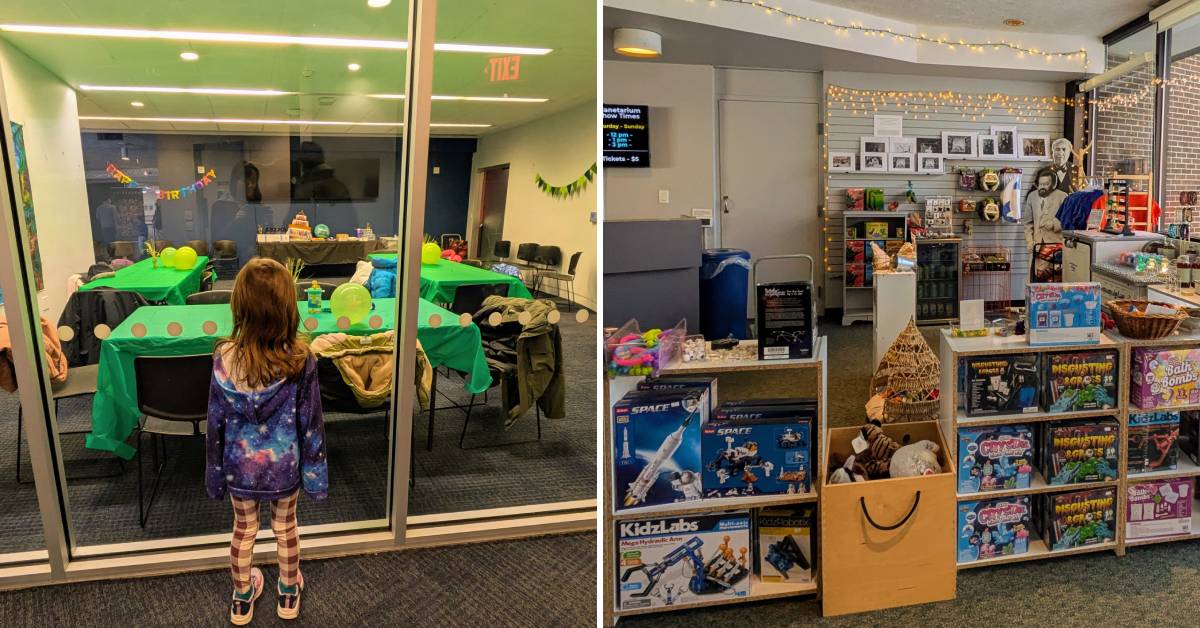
pixel 114 407
pixel 156 284
pixel 438 281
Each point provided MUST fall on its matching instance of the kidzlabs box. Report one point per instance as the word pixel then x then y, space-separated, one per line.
pixel 1080 451
pixel 1153 441
pixel 682 560
pixel 1080 518
pixel 786 322
pixel 994 458
pixel 784 543
pixel 756 456
pixel 1062 313
pixel 1079 380
pixel 1000 384
pixel 1165 378
pixel 993 527
pixel 1158 508
pixel 656 441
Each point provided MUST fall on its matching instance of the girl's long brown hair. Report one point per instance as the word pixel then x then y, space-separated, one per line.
pixel 264 345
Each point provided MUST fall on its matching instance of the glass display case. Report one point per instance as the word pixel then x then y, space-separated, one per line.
pixel 938 280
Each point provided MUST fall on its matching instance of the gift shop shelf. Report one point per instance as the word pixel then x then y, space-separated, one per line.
pixel 1191 339
pixel 1136 410
pixel 1038 550
pixel 716 367
pixel 1037 485
pixel 702 506
pixel 1185 468
pixel 759 591
pixel 1194 534
pixel 1032 417
pixel 857 299
pixel 995 345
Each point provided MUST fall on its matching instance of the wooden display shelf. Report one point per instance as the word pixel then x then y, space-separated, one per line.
pixel 1136 410
pixel 995 345
pixel 729 366
pixel 1185 468
pixel 759 591
pixel 1194 534
pixel 1176 339
pixel 1037 485
pixel 1032 417
pixel 719 504
pixel 1038 550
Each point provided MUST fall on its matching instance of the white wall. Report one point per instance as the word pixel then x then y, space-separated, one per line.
pixel 46 108
pixel 560 148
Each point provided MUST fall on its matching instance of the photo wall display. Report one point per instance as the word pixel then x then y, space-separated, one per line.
pixel 889 150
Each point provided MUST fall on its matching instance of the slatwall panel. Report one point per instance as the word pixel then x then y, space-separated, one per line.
pixel 845 129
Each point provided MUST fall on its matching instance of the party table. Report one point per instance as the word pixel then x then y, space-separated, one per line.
pixel 438 281
pixel 195 329
pixel 318 252
pixel 161 284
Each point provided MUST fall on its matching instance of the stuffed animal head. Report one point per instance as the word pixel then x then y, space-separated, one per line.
pixel 847 472
pixel 919 458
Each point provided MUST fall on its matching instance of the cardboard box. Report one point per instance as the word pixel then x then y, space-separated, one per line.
pixel 760 456
pixel 1074 452
pixel 994 457
pixel 1080 518
pixel 1000 384
pixel 656 442
pixel 1153 441
pixel 784 543
pixel 786 321
pixel 994 527
pixel 1062 313
pixel 1079 380
pixel 1164 378
pixel 1159 508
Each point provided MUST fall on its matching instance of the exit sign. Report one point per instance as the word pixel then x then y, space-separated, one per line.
pixel 504 68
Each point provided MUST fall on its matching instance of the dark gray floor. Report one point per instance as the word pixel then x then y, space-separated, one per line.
pixel 515 469
pixel 546 581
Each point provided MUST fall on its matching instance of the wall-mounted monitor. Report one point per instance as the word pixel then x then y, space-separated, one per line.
pixel 627 136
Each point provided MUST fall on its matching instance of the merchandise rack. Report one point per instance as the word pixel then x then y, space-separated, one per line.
pixel 739 379
pixel 858 308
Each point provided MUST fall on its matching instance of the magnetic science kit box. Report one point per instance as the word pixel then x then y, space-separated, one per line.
pixel 1080 518
pixel 995 457
pixel 656 442
pixel 1158 508
pixel 1079 380
pixel 784 543
pixel 786 321
pixel 682 560
pixel 1074 452
pixel 1165 378
pixel 993 527
pixel 1062 313
pixel 756 456
pixel 999 384
pixel 1153 441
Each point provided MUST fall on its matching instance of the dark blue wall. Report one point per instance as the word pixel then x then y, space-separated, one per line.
pixel 449 192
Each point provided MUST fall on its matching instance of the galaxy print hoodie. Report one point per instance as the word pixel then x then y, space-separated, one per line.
pixel 264 444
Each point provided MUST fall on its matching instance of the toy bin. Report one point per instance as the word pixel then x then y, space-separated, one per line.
pixel 888 542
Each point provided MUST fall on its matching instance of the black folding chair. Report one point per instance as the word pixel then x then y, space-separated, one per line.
pixel 210 297
pixel 468 299
pixel 81 380
pixel 568 277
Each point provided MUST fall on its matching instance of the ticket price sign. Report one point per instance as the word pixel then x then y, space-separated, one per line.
pixel 627 136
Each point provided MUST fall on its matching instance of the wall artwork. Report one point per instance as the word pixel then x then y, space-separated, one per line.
pixel 959 144
pixel 930 164
pixel 841 161
pixel 873 162
pixel 929 145
pixel 1006 140
pixel 1033 146
pixel 901 163
pixel 987 146
pixel 35 253
pixel 869 144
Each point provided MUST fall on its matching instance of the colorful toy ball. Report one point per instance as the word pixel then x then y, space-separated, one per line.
pixel 167 257
pixel 430 253
pixel 321 231
pixel 185 258
pixel 351 300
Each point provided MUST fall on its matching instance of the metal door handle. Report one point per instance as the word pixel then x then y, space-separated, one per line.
pixel 725 204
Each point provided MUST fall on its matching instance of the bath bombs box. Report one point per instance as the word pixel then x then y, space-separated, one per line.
pixel 994 458
pixel 1165 378
pixel 1158 508
pixel 993 527
pixel 1062 313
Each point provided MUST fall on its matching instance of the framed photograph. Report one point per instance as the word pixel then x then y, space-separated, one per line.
pixel 929 145
pixel 987 146
pixel 959 144
pixel 870 144
pixel 889 125
pixel 901 163
pixel 930 164
pixel 1006 140
pixel 873 162
pixel 902 145
pixel 841 160
pixel 1033 146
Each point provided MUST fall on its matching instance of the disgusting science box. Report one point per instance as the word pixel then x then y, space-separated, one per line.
pixel 1079 380
pixel 993 527
pixel 784 543
pixel 1079 519
pixel 999 384
pixel 1153 441
pixel 1158 508
pixel 995 457
pixel 1062 313
pixel 1165 378
pixel 656 442
pixel 1075 452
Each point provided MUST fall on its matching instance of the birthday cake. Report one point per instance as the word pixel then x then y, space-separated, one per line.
pixel 299 229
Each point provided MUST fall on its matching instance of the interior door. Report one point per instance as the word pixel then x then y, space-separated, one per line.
pixel 769 178
pixel 491 210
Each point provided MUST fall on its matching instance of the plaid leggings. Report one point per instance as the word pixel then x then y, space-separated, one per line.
pixel 245 530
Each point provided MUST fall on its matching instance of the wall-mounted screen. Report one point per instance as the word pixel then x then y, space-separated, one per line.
pixel 627 136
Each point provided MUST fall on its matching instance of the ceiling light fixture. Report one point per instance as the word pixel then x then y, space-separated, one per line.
pixel 137 103
pixel 354 67
pixel 378 4
pixel 1013 22
pixel 208 91
pixel 289 122
pixel 189 56
pixel 637 42
pixel 262 38
pixel 466 98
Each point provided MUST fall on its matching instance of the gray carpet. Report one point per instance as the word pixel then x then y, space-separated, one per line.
pixel 545 581
pixel 515 470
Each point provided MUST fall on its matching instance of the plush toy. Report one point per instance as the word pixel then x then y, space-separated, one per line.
pixel 847 472
pixel 877 457
pixel 919 458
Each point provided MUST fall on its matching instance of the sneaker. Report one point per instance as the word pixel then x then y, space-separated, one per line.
pixel 289 599
pixel 241 610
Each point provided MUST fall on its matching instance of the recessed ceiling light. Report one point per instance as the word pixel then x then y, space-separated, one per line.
pixel 637 42
pixel 262 38
pixel 293 122
pixel 189 56
pixel 1014 22
pixel 466 98
pixel 354 67
pixel 209 91
pixel 137 103
pixel 378 4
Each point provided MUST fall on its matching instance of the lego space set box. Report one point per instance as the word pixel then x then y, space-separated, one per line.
pixel 1062 313
pixel 989 528
pixel 784 543
pixel 656 447
pixel 761 456
pixel 682 560
pixel 1158 508
pixel 1079 519
pixel 995 457
pixel 1164 378
pixel 999 384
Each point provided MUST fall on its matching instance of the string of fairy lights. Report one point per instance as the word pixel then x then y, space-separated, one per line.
pixel 948 43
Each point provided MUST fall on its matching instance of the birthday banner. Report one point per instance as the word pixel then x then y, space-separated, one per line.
pixel 163 195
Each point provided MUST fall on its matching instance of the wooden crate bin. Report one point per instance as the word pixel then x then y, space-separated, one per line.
pixel 890 542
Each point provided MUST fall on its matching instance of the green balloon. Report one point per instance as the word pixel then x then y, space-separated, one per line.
pixel 167 256
pixel 351 300
pixel 185 258
pixel 321 231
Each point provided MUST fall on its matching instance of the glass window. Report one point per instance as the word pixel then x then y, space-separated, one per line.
pixel 1124 117
pixel 1183 125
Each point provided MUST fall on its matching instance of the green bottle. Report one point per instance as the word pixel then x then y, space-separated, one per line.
pixel 314 298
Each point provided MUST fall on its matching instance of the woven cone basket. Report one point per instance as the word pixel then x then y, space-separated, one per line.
pixel 909 375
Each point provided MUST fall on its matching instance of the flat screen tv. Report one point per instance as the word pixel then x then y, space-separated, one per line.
pixel 627 136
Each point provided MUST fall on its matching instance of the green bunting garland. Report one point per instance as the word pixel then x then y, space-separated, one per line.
pixel 569 190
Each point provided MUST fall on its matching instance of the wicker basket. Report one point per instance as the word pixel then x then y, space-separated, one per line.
pixel 909 374
pixel 1145 327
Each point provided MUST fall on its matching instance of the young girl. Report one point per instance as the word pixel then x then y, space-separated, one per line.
pixel 266 436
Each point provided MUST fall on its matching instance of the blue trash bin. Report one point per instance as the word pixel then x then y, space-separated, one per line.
pixel 724 284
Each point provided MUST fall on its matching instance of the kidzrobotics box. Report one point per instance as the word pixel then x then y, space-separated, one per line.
pixel 1079 380
pixel 1165 378
pixel 756 456
pixel 656 441
pixel 1158 508
pixel 682 560
pixel 1079 519
pixel 784 544
pixel 1063 313
pixel 1074 452
pixel 993 527
pixel 995 458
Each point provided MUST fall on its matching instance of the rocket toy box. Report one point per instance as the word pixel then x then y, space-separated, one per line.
pixel 1165 378
pixel 784 543
pixel 993 527
pixel 1075 452
pixel 1063 313
pixel 656 441
pixel 756 456
pixel 1079 519
pixel 1158 508
pixel 1153 441
pixel 994 458
pixel 682 560
pixel 1079 380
